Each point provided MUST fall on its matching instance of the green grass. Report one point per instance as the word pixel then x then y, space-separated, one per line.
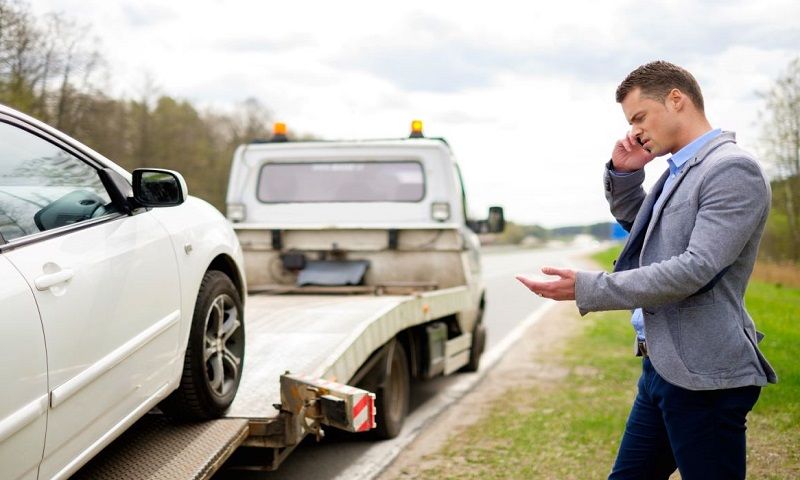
pixel 570 427
pixel 607 257
pixel 774 433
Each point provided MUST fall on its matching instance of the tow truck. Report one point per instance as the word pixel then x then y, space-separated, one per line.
pixel 363 273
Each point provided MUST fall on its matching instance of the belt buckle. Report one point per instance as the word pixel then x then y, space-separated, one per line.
pixel 642 346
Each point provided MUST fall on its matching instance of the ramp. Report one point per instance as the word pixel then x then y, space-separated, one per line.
pixel 157 449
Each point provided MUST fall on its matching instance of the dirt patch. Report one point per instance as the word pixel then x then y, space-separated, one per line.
pixel 527 364
pixel 786 273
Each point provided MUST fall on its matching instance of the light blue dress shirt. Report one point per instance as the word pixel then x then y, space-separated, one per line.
pixel 676 163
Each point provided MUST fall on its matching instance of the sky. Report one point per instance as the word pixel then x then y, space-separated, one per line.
pixel 523 91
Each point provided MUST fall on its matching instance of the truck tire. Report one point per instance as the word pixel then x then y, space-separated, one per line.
pixel 478 345
pixel 212 366
pixel 392 397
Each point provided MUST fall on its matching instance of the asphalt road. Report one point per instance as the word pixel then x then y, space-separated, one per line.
pixel 508 305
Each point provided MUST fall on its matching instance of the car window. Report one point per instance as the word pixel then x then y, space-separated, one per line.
pixel 398 181
pixel 44 187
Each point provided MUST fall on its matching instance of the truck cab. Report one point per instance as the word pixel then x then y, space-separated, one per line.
pixel 397 204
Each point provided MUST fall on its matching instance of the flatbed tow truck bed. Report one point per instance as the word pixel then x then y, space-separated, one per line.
pixel 325 337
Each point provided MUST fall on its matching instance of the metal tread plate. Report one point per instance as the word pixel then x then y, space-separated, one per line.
pixel 155 448
pixel 324 336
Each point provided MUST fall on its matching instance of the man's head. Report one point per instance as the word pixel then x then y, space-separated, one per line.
pixel 657 79
pixel 664 105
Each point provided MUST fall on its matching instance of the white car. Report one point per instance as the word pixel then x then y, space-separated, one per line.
pixel 111 304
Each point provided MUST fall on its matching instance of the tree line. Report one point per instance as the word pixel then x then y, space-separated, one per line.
pixel 50 70
pixel 780 145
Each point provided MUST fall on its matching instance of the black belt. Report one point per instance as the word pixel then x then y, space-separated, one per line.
pixel 642 346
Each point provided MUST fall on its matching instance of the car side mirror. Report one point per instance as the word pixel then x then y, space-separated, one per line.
pixel 155 187
pixel 496 222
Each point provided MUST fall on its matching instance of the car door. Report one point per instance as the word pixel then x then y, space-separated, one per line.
pixel 105 284
pixel 23 375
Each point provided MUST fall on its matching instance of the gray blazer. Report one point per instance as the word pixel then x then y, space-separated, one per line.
pixel 688 267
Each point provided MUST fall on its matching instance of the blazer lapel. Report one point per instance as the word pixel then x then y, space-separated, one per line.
pixel 656 214
pixel 629 257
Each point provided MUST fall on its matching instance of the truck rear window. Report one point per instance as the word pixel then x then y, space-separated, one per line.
pixel 402 181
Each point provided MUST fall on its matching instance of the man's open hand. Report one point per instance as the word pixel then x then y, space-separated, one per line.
pixel 561 289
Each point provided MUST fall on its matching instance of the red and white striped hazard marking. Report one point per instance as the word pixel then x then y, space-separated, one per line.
pixel 364 412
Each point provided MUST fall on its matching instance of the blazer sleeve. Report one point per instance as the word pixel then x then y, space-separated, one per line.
pixel 624 194
pixel 733 202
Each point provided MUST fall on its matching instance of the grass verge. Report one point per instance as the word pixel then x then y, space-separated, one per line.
pixel 570 429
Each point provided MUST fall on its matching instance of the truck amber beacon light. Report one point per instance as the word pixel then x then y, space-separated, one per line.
pixel 416 129
pixel 279 132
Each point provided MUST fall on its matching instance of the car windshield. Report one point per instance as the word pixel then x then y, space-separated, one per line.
pixel 401 181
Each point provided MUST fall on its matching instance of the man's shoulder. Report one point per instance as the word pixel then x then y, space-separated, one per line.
pixel 730 166
pixel 726 153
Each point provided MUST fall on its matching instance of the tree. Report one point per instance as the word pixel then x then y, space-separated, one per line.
pixel 781 145
pixel 141 113
pixel 46 66
pixel 20 62
pixel 250 120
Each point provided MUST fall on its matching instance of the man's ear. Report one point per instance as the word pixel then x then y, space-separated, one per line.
pixel 677 99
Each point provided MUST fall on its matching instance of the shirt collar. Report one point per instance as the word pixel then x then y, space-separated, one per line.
pixel 677 161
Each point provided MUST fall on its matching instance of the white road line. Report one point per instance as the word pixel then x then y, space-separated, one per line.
pixel 379 456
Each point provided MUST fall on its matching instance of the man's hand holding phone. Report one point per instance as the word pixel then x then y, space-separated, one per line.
pixel 629 154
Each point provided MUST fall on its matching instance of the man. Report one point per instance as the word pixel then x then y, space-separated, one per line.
pixel 683 271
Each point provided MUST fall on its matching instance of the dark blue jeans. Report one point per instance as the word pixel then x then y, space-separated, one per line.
pixel 702 433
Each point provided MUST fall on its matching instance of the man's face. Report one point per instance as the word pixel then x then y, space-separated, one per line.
pixel 653 123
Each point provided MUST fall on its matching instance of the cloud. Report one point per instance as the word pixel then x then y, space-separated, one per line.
pixel 444 67
pixel 427 54
pixel 260 44
pixel 422 53
pixel 460 117
pixel 707 36
pixel 140 14
pixel 457 65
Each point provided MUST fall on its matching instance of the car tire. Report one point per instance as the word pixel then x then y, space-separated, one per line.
pixel 212 366
pixel 392 398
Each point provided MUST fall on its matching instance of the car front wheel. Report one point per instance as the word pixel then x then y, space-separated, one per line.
pixel 212 366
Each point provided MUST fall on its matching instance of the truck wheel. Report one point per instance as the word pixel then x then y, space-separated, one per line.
pixel 393 396
pixel 212 366
pixel 478 345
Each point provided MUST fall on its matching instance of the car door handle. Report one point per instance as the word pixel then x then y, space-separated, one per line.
pixel 52 279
